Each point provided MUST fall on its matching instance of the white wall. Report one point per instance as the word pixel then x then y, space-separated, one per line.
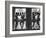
pixel 2 19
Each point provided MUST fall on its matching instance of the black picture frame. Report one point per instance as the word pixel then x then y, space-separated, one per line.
pixel 7 18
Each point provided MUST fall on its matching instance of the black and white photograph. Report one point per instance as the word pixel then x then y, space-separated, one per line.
pixel 25 19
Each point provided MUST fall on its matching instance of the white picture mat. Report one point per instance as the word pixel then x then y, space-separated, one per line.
pixel 31 31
